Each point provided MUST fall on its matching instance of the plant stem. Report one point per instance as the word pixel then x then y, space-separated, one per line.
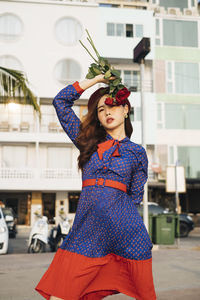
pixel 92 43
pixel 89 52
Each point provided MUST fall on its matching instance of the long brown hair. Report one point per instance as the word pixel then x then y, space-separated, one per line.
pixel 91 132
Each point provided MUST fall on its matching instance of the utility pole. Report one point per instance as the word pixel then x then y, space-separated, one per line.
pixel 139 53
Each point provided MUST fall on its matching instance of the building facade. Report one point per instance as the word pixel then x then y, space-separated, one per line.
pixel 38 170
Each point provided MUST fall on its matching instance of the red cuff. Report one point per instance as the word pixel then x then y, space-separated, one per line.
pixel 77 87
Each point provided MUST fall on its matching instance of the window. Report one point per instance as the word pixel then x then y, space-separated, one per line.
pixel 132 114
pixel 182 116
pixel 138 114
pixel 124 30
pixel 189 158
pixel 68 31
pixel 8 61
pixel 67 71
pixel 176 31
pixel 139 30
pixel 157 27
pixel 129 30
pixel 110 29
pixel 132 80
pixel 174 3
pixel 120 29
pixel 59 157
pixel 160 115
pixel 14 156
pixel 171 155
pixel 187 78
pixel 11 27
pixel 182 77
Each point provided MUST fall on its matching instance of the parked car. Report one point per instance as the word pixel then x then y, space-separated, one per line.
pixel 186 222
pixel 11 220
pixel 4 236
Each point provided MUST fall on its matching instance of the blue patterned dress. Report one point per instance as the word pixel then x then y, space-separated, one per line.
pixel 108 250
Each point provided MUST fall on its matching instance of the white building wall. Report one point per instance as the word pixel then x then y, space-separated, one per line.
pixel 122 47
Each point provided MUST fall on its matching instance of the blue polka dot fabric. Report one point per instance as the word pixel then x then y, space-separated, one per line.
pixel 107 220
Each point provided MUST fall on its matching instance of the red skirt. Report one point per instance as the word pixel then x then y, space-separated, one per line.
pixel 73 276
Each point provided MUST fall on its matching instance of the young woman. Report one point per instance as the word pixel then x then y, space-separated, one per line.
pixel 108 250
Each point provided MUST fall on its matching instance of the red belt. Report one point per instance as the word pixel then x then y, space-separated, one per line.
pixel 105 182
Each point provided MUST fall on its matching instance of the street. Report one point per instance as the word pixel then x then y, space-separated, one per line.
pixel 176 270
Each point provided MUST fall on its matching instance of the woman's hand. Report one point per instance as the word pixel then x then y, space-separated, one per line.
pixel 87 83
pixel 100 78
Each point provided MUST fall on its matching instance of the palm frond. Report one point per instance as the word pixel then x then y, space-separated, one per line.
pixel 14 85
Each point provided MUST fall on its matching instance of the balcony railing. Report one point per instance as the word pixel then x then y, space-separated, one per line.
pixel 33 173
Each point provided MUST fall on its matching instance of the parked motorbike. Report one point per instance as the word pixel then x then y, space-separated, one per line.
pixel 59 233
pixel 38 236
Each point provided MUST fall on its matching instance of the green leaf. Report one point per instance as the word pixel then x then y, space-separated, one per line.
pixel 90 75
pixel 107 74
pixel 96 70
pixel 102 62
pixel 116 81
pixel 112 88
pixel 115 73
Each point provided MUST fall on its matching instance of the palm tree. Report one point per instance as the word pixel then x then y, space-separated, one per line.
pixel 14 85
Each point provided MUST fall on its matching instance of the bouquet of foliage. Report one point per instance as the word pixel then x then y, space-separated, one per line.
pixel 117 91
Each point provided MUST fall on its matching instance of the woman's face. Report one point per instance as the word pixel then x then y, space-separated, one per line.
pixel 111 117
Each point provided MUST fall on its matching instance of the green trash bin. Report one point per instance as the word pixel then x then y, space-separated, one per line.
pixel 177 226
pixel 150 226
pixel 164 229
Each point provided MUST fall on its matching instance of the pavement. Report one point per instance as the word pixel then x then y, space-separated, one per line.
pixel 176 270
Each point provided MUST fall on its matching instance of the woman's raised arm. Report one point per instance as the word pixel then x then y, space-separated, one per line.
pixel 64 101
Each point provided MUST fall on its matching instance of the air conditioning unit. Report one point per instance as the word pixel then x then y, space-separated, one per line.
pixel 190 12
pixel 160 10
pixel 174 11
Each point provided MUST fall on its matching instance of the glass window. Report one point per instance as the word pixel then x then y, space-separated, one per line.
pixel 132 114
pixel 192 116
pixel 139 30
pixel 182 116
pixel 170 87
pixel 171 155
pixel 127 78
pixel 138 114
pixel 68 31
pixel 132 80
pixel 169 69
pixel 136 79
pixel 110 29
pixel 120 29
pixel 67 71
pixel 174 3
pixel 176 31
pixel 59 157
pixel 11 27
pixel 173 116
pixel 14 156
pixel 189 158
pixel 187 78
pixel 157 27
pixel 157 42
pixel 159 112
pixel 129 30
pixel 8 61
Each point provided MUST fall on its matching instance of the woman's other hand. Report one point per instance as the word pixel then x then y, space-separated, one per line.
pixel 87 83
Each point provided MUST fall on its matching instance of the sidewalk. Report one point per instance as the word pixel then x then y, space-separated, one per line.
pixel 176 272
